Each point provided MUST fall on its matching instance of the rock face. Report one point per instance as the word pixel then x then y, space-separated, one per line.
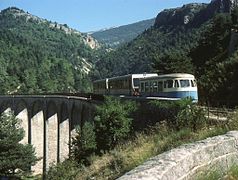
pixel 227 5
pixel 188 161
pixel 178 16
pixel 113 37
pixel 194 14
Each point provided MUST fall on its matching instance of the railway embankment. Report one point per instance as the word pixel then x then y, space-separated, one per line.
pixel 188 161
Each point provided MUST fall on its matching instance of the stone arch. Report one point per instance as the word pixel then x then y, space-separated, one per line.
pixel 21 113
pixel 51 133
pixel 37 133
pixel 88 111
pixel 6 106
pixel 76 118
pixel 63 149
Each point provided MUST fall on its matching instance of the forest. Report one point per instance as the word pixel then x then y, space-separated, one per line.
pixel 38 58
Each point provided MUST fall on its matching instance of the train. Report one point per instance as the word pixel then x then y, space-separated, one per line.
pixel 149 85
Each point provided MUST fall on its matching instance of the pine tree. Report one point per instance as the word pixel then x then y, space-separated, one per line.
pixel 15 158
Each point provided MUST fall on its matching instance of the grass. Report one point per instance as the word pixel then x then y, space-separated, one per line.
pixel 129 155
pixel 133 153
pixel 232 174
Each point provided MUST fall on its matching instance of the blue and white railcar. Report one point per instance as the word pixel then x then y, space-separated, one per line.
pixel 177 86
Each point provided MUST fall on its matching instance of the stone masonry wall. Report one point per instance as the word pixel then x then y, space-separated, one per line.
pixel 188 161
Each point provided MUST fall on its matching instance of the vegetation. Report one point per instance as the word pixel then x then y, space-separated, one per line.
pixel 112 122
pixel 215 174
pixel 180 114
pixel 84 144
pixel 15 158
pixel 163 136
pixel 38 56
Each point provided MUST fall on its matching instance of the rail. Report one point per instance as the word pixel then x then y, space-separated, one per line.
pixel 218 114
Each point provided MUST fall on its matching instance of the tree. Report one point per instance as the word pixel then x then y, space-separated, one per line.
pixel 112 123
pixel 15 157
pixel 84 144
pixel 173 62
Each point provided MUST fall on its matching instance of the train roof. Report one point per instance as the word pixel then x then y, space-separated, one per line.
pixel 144 75
pixel 173 75
pixel 100 80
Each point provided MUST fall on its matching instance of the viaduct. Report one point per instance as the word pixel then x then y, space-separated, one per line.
pixel 49 122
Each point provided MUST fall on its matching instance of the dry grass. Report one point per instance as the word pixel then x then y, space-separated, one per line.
pixel 133 153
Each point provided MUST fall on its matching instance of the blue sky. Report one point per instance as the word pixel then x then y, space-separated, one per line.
pixel 91 15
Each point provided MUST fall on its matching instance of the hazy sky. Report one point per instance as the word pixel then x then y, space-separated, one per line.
pixel 91 15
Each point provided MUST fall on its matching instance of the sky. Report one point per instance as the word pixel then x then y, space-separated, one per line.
pixel 93 15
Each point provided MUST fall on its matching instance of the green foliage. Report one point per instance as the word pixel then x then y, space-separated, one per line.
pixel 234 16
pixel 14 157
pixel 173 62
pixel 181 114
pixel 192 117
pixel 84 144
pixel 37 57
pixel 211 174
pixel 112 123
pixel 66 170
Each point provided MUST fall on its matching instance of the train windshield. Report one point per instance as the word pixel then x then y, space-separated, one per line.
pixel 184 83
pixel 136 82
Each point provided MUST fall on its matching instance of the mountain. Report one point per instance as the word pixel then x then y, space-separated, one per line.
pixel 195 38
pixel 116 36
pixel 37 55
pixel 172 30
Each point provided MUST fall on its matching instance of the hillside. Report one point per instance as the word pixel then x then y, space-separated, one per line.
pixel 194 38
pixel 114 37
pixel 166 35
pixel 39 56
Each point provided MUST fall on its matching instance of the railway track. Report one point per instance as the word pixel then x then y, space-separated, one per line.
pixel 218 114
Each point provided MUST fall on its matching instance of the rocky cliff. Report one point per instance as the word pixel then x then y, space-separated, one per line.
pixel 18 13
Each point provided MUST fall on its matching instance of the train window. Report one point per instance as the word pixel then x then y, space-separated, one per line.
pixel 169 83
pixel 176 84
pixel 142 87
pixel 193 83
pixel 126 84
pixel 160 86
pixel 147 87
pixel 136 82
pixel 155 86
pixel 151 86
pixel 184 83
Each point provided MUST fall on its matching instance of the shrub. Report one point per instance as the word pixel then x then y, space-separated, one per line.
pixel 84 144
pixel 65 170
pixel 192 117
pixel 181 114
pixel 112 122
pixel 15 158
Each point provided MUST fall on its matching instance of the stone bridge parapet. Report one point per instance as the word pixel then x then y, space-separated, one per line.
pixel 218 153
